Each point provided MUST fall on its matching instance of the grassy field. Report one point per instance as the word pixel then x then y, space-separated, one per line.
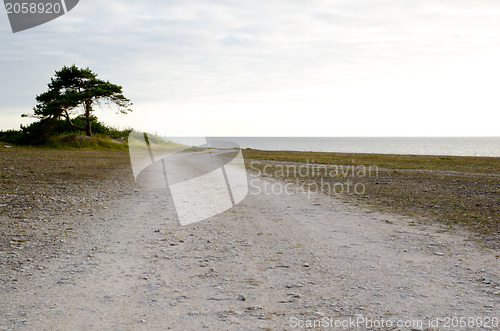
pixel 489 165
pixel 458 192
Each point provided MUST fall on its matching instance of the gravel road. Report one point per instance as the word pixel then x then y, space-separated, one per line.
pixel 272 262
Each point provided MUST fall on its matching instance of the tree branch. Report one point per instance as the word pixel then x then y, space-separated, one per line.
pixel 71 123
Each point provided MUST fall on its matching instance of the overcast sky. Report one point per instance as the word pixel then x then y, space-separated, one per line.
pixel 273 68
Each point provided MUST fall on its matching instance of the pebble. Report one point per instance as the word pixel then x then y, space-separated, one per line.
pixel 295 285
pixel 242 297
pixel 486 280
pixel 256 307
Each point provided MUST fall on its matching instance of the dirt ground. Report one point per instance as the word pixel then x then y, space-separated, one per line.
pixel 114 257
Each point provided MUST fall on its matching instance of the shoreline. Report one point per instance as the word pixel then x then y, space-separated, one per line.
pixel 439 146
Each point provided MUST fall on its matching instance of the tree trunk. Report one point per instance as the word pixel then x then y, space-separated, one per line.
pixel 88 128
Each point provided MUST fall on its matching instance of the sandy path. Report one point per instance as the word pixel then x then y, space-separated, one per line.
pixel 268 262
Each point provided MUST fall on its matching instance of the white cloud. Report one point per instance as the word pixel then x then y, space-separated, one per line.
pixel 275 59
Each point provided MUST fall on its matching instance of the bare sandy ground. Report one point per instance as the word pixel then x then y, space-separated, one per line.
pixel 273 262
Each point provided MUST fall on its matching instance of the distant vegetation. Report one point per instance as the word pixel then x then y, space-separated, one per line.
pixel 65 113
pixel 58 133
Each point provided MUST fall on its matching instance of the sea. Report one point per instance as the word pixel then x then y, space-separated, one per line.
pixel 458 146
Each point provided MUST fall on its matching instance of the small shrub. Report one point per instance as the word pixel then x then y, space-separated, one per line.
pixel 12 136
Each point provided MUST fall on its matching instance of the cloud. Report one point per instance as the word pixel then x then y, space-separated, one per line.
pixel 222 52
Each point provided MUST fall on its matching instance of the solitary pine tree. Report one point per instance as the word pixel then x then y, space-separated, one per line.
pixel 73 90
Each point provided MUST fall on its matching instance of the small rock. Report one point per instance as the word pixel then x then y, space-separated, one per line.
pixel 242 297
pixel 439 253
pixel 486 280
pixel 63 281
pixel 294 285
pixel 256 307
